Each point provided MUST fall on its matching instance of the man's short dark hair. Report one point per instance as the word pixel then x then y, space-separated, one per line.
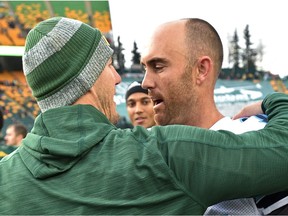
pixel 19 129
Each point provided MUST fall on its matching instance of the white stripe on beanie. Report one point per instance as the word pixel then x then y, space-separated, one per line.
pixel 44 48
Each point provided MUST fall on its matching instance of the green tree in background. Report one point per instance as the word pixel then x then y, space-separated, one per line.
pixel 234 55
pixel 249 55
pixel 118 57
pixel 260 53
pixel 244 61
pixel 136 55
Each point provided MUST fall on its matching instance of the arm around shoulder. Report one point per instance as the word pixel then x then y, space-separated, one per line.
pixel 218 165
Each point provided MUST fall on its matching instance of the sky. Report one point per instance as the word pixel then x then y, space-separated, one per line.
pixel 135 20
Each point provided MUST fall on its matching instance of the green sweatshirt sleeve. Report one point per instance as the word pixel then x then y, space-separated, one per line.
pixel 212 166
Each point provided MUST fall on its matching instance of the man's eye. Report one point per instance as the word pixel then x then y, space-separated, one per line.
pixel 146 102
pixel 158 67
pixel 130 105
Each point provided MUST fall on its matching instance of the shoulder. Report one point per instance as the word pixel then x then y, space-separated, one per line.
pixel 251 123
pixel 241 125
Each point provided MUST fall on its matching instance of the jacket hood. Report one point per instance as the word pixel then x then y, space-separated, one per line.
pixel 60 137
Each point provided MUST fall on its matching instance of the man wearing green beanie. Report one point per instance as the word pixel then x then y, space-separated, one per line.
pixel 76 162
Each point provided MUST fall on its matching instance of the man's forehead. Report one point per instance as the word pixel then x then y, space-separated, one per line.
pixel 164 55
pixel 161 49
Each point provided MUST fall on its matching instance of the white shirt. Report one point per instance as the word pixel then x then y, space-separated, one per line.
pixel 241 125
pixel 245 206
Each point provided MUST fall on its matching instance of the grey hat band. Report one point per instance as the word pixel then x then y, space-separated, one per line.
pixel 49 45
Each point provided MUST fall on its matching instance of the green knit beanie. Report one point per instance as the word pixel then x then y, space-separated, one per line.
pixel 63 58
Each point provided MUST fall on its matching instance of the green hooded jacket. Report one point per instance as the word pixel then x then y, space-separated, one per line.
pixel 76 162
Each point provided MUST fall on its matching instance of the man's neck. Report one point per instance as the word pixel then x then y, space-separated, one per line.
pixel 207 117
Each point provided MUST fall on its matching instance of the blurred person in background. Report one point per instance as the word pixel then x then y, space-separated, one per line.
pixel 15 133
pixel 139 106
pixel 2 145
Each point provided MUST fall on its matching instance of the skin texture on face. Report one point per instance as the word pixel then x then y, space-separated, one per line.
pixel 12 138
pixel 101 95
pixel 169 80
pixel 181 65
pixel 140 110
pixel 105 88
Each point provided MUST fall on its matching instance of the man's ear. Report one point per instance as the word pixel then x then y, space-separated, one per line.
pixel 204 66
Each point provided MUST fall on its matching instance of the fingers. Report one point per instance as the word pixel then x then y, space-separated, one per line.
pixel 249 110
